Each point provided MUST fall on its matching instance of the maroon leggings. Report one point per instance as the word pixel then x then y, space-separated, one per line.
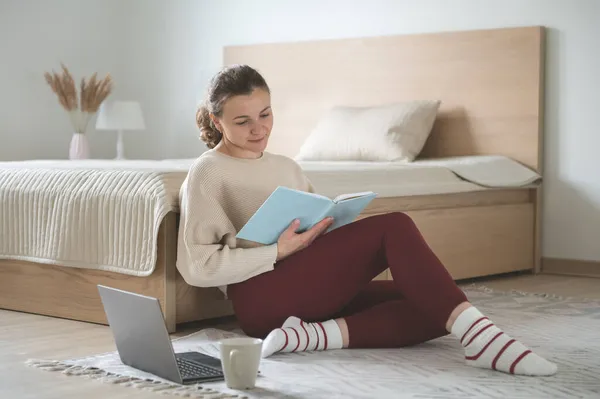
pixel 332 278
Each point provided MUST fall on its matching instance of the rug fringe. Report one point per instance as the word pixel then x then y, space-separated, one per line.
pixel 190 391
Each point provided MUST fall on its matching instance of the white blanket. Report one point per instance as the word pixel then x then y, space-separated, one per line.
pixel 422 177
pixel 91 214
pixel 105 214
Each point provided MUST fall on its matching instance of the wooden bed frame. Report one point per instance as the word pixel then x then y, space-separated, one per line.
pixel 490 83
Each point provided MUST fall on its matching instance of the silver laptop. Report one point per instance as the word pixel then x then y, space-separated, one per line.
pixel 143 342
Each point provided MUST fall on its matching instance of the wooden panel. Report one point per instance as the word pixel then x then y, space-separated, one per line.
pixel 571 267
pixel 489 83
pixel 166 260
pixel 385 275
pixel 479 241
pixel 195 303
pixel 443 201
pixel 67 292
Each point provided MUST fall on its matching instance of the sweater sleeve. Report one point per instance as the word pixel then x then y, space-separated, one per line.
pixel 306 183
pixel 207 253
pixel 309 186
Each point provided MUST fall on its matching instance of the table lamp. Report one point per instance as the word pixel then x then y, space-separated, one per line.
pixel 120 116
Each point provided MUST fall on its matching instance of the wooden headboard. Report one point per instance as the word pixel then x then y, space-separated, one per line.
pixel 490 83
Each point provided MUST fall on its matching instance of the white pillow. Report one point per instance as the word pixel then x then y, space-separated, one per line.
pixel 393 132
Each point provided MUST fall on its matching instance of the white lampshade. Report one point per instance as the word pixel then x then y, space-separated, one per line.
pixel 120 115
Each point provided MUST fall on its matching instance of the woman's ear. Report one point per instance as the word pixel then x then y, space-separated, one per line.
pixel 216 123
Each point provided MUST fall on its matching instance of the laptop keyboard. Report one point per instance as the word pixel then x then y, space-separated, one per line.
pixel 189 369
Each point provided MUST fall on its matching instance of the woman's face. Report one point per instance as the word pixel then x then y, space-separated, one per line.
pixel 246 123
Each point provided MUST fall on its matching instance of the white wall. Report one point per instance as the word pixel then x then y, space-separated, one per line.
pixel 166 52
pixel 35 36
pixel 146 42
pixel 120 37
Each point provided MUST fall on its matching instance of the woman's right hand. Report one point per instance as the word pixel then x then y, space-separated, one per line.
pixel 290 241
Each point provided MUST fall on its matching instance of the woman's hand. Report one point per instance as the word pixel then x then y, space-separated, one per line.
pixel 290 241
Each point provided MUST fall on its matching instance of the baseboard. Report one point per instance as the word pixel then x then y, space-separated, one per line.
pixel 571 267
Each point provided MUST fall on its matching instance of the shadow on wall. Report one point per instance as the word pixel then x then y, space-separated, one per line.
pixel 571 216
pixel 571 222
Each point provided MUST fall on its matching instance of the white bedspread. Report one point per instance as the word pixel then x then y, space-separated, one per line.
pixel 92 214
pixel 105 214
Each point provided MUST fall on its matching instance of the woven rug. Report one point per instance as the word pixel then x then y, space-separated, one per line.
pixel 564 330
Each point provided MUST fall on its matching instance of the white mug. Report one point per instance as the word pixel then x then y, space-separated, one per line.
pixel 240 358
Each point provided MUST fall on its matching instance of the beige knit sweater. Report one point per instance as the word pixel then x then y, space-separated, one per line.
pixel 217 198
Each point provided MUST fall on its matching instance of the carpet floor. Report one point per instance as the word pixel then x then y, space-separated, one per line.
pixel 564 330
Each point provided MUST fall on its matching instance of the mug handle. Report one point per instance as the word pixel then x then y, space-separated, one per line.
pixel 233 355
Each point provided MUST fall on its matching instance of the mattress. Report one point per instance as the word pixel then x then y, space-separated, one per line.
pixel 105 214
pixel 421 177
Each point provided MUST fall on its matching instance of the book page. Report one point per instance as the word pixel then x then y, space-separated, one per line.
pixel 344 197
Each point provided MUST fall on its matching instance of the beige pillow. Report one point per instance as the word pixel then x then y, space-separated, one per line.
pixel 393 132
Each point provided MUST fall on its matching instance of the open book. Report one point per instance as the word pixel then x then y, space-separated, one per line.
pixel 285 204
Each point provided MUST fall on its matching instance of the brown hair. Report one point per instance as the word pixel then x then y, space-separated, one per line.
pixel 231 81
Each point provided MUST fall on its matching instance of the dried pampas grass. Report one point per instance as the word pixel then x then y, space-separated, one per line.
pixel 81 107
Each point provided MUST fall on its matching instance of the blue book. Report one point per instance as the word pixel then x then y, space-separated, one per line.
pixel 285 204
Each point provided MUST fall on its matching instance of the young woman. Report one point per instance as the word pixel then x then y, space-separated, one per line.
pixel 314 291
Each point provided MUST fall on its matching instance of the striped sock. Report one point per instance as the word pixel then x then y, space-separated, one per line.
pixel 297 336
pixel 486 346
